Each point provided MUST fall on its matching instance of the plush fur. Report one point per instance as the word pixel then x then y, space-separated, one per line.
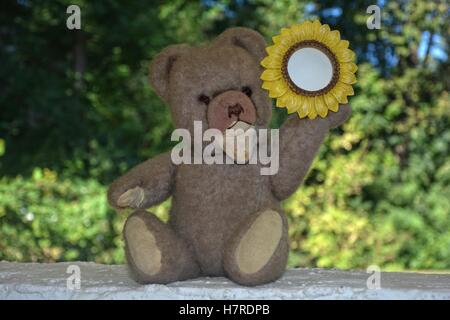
pixel 225 220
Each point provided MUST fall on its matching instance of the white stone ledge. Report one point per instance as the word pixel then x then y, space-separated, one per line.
pixel 49 281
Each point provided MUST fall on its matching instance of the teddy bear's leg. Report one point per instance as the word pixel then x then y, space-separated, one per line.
pixel 155 254
pixel 258 251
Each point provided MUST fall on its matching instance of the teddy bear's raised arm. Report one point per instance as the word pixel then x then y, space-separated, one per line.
pixel 300 140
pixel 145 185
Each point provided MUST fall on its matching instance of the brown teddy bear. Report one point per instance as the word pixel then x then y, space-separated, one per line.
pixel 225 219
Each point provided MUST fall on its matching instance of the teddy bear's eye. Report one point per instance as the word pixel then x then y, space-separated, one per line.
pixel 204 99
pixel 247 91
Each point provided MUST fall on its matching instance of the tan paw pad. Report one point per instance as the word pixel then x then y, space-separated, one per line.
pixel 142 246
pixel 259 242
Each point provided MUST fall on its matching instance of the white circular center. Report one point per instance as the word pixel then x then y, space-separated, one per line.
pixel 310 69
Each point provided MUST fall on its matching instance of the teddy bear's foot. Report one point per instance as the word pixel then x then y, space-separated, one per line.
pixel 155 254
pixel 258 252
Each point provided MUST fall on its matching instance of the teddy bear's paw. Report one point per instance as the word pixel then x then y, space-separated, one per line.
pixel 259 242
pixel 155 253
pixel 131 198
pixel 258 254
pixel 142 246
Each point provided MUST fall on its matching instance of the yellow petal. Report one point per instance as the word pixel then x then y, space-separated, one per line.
pixel 277 39
pixel 302 106
pixel 277 50
pixel 291 101
pixel 284 38
pixel 276 88
pixel 332 39
pixel 281 101
pixel 271 74
pixel 320 105
pixel 345 55
pixel 312 113
pixel 341 45
pixel 340 96
pixel 297 33
pixel 347 77
pixel 341 91
pixel 300 32
pixel 331 101
pixel 285 31
pixel 348 67
pixel 316 26
pixel 285 101
pixel 308 30
pixel 347 88
pixel 271 62
pixel 322 32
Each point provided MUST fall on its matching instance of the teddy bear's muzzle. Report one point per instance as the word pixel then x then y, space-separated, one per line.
pixel 233 113
pixel 230 107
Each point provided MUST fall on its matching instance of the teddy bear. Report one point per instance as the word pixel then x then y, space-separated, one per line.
pixel 225 219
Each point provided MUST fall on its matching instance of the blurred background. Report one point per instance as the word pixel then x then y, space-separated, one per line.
pixel 76 111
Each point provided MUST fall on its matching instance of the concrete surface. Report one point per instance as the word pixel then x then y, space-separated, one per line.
pixel 49 281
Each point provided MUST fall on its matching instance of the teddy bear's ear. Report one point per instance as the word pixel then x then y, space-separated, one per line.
pixel 248 39
pixel 161 66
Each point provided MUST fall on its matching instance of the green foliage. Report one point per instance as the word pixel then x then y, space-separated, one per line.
pixel 45 218
pixel 76 111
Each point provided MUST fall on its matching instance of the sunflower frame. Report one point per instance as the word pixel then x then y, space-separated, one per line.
pixel 316 45
pixel 277 81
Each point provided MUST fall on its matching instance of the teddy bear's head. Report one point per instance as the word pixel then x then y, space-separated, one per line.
pixel 217 84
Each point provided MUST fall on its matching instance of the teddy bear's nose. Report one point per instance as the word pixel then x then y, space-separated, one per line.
pixel 235 109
